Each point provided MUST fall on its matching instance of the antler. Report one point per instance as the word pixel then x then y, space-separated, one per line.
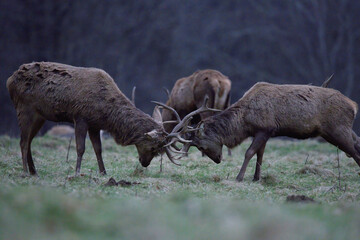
pixel 171 158
pixel 182 127
pixel 327 81
pixel 167 92
pixel 133 95
pixel 169 108
pixel 186 120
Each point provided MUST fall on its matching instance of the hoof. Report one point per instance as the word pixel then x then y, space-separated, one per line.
pixel 239 179
pixel 256 179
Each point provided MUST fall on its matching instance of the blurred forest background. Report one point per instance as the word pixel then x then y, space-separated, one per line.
pixel 150 44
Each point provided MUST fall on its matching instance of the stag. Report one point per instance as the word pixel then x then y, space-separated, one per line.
pixel 89 98
pixel 270 110
pixel 189 92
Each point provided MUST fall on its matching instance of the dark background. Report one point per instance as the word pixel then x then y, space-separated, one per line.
pixel 152 43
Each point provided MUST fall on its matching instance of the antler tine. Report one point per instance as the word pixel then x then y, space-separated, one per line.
pixel 186 147
pixel 192 129
pixel 172 121
pixel 174 146
pixel 176 151
pixel 169 108
pixel 178 137
pixel 185 120
pixel 167 151
pixel 133 95
pixel 167 92
pixel 170 143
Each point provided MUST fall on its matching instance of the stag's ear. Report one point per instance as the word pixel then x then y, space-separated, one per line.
pixel 153 134
pixel 157 115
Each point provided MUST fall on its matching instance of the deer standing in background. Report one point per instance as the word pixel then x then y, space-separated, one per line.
pixel 270 110
pixel 89 98
pixel 189 92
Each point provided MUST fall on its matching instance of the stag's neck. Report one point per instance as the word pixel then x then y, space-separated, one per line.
pixel 227 128
pixel 127 124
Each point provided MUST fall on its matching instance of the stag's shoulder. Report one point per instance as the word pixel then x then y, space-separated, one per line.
pixel 259 87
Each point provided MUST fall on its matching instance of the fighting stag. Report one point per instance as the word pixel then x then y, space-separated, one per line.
pixel 270 110
pixel 89 98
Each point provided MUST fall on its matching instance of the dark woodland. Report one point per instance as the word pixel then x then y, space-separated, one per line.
pixel 151 44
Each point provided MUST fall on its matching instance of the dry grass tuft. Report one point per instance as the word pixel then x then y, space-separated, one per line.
pixel 299 198
pixel 269 179
pixel 317 171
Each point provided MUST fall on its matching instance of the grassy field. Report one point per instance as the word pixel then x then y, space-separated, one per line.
pixel 198 200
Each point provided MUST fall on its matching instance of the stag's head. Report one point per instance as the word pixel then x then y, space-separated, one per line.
pixel 206 143
pixel 197 135
pixel 158 142
pixel 151 146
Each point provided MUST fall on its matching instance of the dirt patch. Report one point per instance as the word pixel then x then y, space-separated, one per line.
pixel 299 198
pixel 216 178
pixel 122 183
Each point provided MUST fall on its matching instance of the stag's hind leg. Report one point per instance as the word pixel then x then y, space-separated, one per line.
pixel 347 141
pixel 229 152
pixel 30 124
pixel 96 142
pixel 258 143
pixel 259 159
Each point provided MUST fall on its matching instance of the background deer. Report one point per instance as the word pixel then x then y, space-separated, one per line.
pixel 270 110
pixel 89 98
pixel 189 92
pixel 61 131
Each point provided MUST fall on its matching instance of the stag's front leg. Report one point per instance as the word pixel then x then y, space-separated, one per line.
pixel 259 140
pixel 81 128
pixel 96 142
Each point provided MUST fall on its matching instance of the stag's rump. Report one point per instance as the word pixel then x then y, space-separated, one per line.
pixel 297 111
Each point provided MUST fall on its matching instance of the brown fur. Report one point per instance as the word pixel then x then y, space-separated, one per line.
pixel 188 94
pixel 89 98
pixel 270 110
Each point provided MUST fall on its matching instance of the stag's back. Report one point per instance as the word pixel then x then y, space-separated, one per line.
pixel 188 94
pixel 299 109
pixel 214 84
pixel 60 92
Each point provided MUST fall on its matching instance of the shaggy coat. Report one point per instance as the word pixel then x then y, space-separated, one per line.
pixel 270 110
pixel 87 97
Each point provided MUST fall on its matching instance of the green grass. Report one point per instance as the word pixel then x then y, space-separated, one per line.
pixel 198 200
